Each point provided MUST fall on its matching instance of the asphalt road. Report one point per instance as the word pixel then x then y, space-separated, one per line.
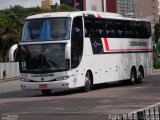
pixel 99 104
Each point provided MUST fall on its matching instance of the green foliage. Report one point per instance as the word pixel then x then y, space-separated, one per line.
pixel 157 32
pixel 156 63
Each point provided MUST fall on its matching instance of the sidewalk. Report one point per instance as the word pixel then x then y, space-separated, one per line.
pixel 156 71
pixel 9 86
pixel 9 79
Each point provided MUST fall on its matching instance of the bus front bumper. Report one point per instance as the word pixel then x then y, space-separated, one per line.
pixel 65 84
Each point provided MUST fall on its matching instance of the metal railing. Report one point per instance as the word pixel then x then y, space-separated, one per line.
pixel 148 113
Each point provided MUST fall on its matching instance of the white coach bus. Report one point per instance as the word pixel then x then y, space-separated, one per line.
pixel 79 49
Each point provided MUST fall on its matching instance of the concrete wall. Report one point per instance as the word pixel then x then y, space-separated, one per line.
pixel 9 70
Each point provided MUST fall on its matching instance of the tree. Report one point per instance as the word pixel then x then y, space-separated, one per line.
pixel 10 30
pixel 157 32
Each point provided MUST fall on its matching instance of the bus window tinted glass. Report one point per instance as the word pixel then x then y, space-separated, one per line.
pixel 129 33
pixel 119 29
pixel 113 28
pixel 110 31
pixel 42 58
pixel 46 29
pixel 88 26
pixel 99 28
pixel 146 30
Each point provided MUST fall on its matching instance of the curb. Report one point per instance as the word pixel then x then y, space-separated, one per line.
pixel 155 71
pixel 9 79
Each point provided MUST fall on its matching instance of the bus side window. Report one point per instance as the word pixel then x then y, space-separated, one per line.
pixel 119 29
pixel 146 30
pixel 136 30
pixel 88 25
pixel 110 32
pixel 129 29
pixel 139 29
pixel 99 28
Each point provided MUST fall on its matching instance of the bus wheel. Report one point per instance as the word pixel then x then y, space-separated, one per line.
pixel 140 76
pixel 132 80
pixel 88 83
pixel 46 92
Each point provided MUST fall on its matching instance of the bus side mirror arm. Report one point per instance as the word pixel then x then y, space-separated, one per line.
pixel 11 52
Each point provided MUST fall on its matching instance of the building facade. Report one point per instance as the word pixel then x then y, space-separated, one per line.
pixel 159 10
pixel 92 5
pixel 95 5
pixel 78 4
pixel 147 9
pixel 111 6
pixel 46 4
pixel 125 6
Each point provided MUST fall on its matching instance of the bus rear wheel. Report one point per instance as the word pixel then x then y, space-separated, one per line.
pixel 46 92
pixel 132 80
pixel 140 76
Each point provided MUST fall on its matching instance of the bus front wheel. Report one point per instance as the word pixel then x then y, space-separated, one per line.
pixel 88 82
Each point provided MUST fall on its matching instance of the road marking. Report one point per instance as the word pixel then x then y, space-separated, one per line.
pixel 151 106
pixel 143 86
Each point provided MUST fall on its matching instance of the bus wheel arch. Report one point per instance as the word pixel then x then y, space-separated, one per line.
pixel 88 81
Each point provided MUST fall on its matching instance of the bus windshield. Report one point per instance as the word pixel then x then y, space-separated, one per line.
pixel 43 58
pixel 50 29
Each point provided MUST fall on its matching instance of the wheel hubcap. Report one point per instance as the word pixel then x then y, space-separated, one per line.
pixel 87 82
pixel 140 75
pixel 133 78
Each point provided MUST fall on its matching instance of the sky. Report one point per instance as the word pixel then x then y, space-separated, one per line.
pixel 25 3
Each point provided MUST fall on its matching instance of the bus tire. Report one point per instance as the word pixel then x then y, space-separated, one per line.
pixel 46 92
pixel 140 76
pixel 88 82
pixel 132 79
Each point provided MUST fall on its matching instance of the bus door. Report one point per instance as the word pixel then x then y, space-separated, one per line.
pixel 76 44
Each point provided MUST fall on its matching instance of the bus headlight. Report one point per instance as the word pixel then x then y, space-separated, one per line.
pixel 25 80
pixel 62 78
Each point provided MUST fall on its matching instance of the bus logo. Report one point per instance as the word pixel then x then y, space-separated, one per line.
pixel 95 44
pixel 42 78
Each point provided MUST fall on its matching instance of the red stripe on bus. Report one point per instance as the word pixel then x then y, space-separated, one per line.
pixel 106 44
pixel 99 16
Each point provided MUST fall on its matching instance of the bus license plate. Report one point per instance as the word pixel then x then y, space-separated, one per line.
pixel 43 86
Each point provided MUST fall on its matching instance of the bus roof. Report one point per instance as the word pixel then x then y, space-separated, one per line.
pixel 84 13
